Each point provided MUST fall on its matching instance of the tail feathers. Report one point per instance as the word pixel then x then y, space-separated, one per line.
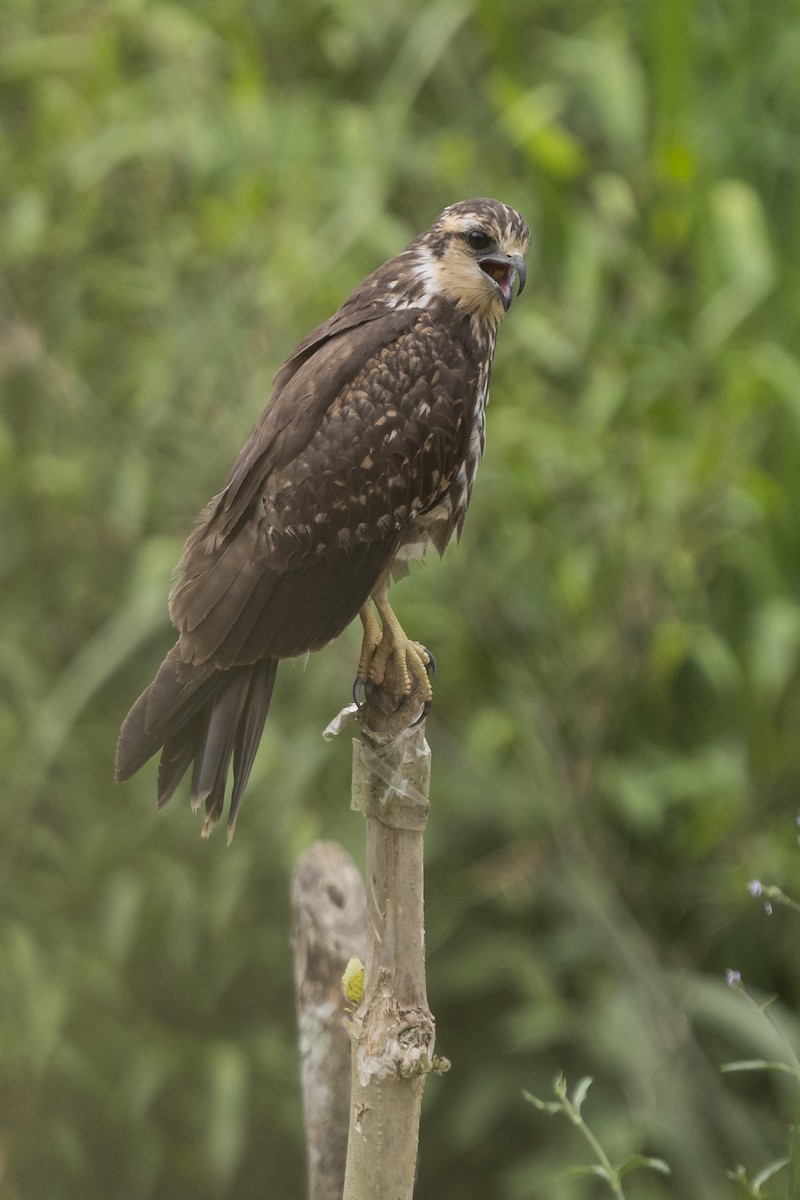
pixel 249 731
pixel 174 697
pixel 177 756
pixel 200 716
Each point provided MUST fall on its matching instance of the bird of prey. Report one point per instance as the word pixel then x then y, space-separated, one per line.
pixel 365 455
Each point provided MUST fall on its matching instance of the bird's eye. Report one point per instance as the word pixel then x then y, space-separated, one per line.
pixel 478 240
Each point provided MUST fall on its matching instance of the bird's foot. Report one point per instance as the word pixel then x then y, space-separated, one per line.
pixel 398 663
pixel 364 684
pixel 391 661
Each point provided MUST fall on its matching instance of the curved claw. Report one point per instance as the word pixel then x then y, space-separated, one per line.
pixel 359 693
pixel 431 667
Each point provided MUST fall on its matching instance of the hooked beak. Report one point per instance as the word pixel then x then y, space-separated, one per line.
pixel 500 268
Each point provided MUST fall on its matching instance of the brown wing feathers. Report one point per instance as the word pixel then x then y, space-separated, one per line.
pixel 305 388
pixel 285 557
pixel 261 580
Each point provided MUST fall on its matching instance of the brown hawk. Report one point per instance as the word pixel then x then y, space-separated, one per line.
pixel 366 453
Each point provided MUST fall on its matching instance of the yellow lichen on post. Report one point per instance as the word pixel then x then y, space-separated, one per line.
pixel 353 981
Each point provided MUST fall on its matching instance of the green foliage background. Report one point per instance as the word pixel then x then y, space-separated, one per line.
pixel 185 190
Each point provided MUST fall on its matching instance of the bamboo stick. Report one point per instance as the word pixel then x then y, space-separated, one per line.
pixel 393 1031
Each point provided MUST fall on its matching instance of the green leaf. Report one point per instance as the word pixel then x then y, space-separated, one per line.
pixel 548 1106
pixel 745 253
pixel 757 1064
pixel 643 1160
pixel 580 1170
pixel 773 1168
pixel 581 1089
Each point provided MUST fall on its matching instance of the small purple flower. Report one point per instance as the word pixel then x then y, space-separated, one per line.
pixel 733 978
pixel 754 887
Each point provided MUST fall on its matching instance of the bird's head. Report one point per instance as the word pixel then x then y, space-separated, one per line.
pixel 471 254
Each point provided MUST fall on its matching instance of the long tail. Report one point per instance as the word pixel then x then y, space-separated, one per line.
pixel 201 716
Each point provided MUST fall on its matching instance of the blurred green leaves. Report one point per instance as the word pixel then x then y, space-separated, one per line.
pixel 184 190
pixel 742 243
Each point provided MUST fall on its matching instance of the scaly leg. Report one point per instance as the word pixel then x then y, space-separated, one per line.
pixel 369 644
pixel 396 661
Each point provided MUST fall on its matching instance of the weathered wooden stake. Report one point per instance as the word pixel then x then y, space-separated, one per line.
pixel 328 928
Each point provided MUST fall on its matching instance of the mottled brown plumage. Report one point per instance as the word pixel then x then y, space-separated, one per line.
pixel 366 454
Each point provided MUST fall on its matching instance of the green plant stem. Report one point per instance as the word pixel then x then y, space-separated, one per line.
pixel 574 1114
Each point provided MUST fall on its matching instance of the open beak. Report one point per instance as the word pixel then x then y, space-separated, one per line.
pixel 501 268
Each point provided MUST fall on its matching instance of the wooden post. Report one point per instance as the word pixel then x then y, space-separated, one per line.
pixel 393 1031
pixel 329 927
